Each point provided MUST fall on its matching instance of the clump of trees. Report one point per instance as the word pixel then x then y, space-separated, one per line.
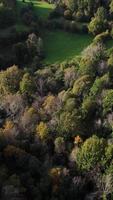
pixel 56 121
pixel 56 127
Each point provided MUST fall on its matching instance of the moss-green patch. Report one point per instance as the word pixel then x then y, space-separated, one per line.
pixel 61 46
pixel 41 8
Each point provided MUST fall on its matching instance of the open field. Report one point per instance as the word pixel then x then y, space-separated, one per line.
pixel 58 45
pixel 41 8
pixel 61 46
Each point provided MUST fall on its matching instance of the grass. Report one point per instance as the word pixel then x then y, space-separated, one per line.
pixel 42 9
pixel 61 46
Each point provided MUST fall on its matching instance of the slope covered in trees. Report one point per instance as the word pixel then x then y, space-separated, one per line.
pixel 56 120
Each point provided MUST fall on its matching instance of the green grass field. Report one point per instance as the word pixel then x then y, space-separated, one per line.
pixel 61 46
pixel 41 8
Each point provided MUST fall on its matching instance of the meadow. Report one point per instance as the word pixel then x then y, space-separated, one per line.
pixel 41 8
pixel 61 46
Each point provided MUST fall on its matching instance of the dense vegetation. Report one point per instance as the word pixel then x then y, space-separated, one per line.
pixel 56 118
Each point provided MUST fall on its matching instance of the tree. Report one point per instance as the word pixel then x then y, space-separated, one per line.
pixel 29 120
pixel 111 6
pixel 42 131
pixel 71 4
pixel 35 45
pixel 110 65
pixel 107 101
pixel 91 153
pixel 70 74
pixel 81 86
pixel 90 57
pixel 27 84
pixel 98 23
pixel 69 123
pixel 98 85
pixel 10 79
pixel 59 144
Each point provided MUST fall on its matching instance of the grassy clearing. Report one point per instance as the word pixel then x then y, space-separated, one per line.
pixel 61 46
pixel 42 9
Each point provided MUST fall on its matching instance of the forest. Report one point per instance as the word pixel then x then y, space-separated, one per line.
pixel 56 99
